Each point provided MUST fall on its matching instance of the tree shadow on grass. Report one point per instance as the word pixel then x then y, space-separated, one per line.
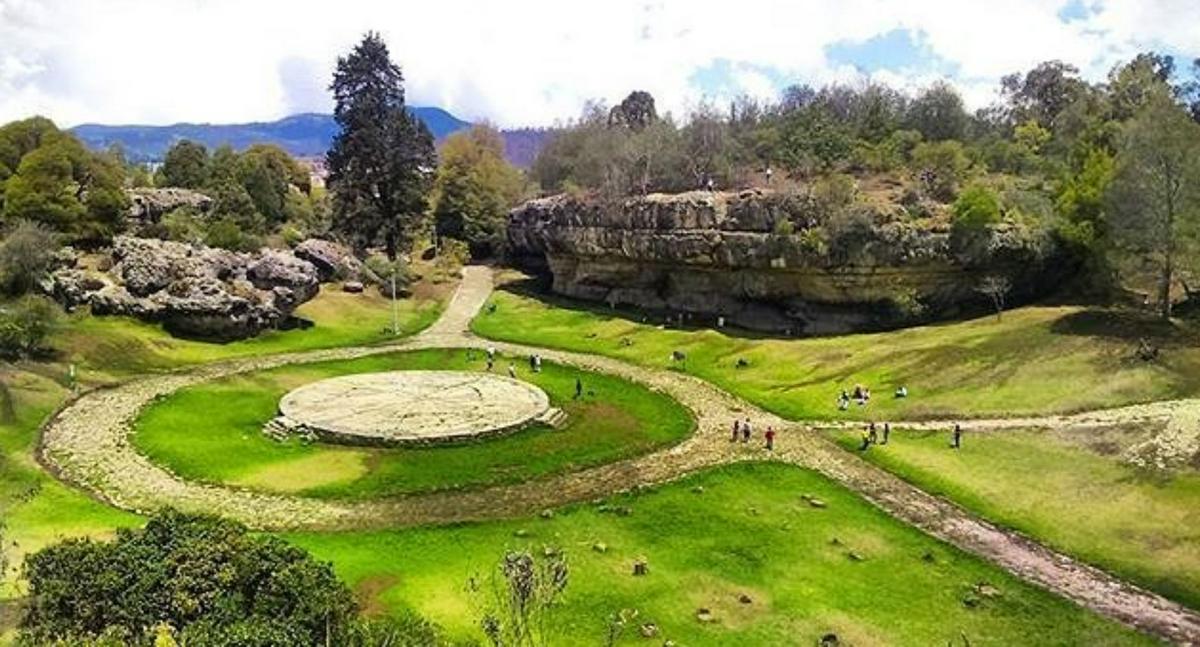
pixel 1123 325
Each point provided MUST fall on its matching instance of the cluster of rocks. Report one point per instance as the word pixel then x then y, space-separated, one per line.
pixel 147 206
pixel 194 291
pixel 767 260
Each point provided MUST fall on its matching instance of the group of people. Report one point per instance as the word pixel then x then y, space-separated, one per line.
pixel 742 430
pixel 862 395
pixel 871 436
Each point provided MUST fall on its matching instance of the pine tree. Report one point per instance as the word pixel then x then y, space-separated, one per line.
pixel 382 160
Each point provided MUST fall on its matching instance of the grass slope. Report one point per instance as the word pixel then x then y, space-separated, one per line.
pixel 748 532
pixel 1143 527
pixel 1036 360
pixel 118 346
pixel 620 420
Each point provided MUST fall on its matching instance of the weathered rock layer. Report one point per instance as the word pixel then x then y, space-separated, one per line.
pixel 771 261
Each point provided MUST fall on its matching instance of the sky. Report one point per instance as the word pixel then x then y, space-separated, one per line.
pixel 536 62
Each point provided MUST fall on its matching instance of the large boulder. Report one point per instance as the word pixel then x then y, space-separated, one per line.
pixel 332 260
pixel 771 260
pixel 195 291
pixel 147 206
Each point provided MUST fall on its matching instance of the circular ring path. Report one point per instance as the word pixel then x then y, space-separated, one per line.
pixel 413 407
pixel 87 444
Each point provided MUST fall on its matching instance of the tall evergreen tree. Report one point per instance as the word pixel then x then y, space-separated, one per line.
pixel 382 160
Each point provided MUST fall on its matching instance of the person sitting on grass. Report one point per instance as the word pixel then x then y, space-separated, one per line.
pixel 843 401
pixel 902 392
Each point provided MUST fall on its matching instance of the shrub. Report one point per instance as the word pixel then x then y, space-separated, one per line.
pixel 26 254
pixel 25 324
pixel 184 225
pixel 208 578
pixel 976 208
pixel 940 167
pixel 381 271
pixel 224 232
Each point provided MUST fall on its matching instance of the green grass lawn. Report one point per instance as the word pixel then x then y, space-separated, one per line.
pixel 198 440
pixel 1142 527
pixel 1036 360
pixel 117 346
pixel 36 508
pixel 748 532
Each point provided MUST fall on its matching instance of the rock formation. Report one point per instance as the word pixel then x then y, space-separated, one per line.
pixel 332 260
pixel 147 206
pixel 193 290
pixel 771 261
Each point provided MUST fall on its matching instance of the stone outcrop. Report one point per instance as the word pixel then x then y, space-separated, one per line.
pixel 193 290
pixel 147 206
pixel 769 260
pixel 332 260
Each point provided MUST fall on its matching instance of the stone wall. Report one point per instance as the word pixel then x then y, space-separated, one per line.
pixel 771 261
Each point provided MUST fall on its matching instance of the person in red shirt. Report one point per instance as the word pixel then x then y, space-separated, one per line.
pixel 770 438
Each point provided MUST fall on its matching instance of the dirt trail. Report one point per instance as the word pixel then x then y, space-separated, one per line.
pixel 87 444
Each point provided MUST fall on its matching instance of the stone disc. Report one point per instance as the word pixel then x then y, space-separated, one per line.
pixel 403 407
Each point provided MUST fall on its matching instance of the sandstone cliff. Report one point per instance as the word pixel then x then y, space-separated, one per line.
pixel 764 260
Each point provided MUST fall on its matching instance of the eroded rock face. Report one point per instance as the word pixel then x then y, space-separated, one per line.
pixel 193 291
pixel 769 261
pixel 332 260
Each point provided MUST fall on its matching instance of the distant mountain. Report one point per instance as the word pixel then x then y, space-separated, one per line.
pixel 304 135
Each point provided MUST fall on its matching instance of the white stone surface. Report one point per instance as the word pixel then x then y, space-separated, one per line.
pixel 413 406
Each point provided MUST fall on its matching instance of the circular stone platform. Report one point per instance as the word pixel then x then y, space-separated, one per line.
pixel 404 407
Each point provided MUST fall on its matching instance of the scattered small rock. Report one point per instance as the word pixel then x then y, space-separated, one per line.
pixel 668 643
pixel 971 602
pixel 649 630
pixel 855 557
pixel 817 503
pixel 753 511
pixel 744 599
pixel 640 567
pixel 549 551
pixel 743 362
pixel 985 590
pixel 546 514
pixel 835 542
pixel 829 640
pixel 928 558
pixel 699 489
pixel 353 287
pixel 704 615
pixel 521 533
pixel 600 547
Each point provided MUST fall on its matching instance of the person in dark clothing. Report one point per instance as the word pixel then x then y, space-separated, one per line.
pixel 887 431
pixel 578 388
pixel 957 436
pixel 872 433
pixel 746 431
pixel 737 430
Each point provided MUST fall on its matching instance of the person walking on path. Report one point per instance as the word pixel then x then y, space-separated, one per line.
pixel 957 436
pixel 746 431
pixel 770 439
pixel 872 433
pixel 512 371
pixel 537 363
pixel 887 431
pixel 866 441
pixel 737 430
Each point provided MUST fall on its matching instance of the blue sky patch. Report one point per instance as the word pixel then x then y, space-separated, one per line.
pixel 897 50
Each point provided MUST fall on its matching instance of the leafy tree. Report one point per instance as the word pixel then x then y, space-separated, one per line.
pixel 474 189
pixel 185 165
pixel 381 159
pixel 1041 94
pixel 269 174
pixel 976 207
pixel 937 113
pixel 25 324
pixel 813 141
pixel 996 289
pixel 940 166
pixel 636 111
pixel 1136 84
pixel 208 578
pixel 26 254
pixel 1156 190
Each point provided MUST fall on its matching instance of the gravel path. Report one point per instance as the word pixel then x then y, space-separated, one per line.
pixel 88 444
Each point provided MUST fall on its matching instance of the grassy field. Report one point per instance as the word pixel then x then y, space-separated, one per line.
pixel 747 533
pixel 117 346
pixel 36 508
pixel 1035 360
pixel 1140 526
pixel 621 419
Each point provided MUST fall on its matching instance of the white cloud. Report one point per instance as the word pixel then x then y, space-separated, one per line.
pixel 516 62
